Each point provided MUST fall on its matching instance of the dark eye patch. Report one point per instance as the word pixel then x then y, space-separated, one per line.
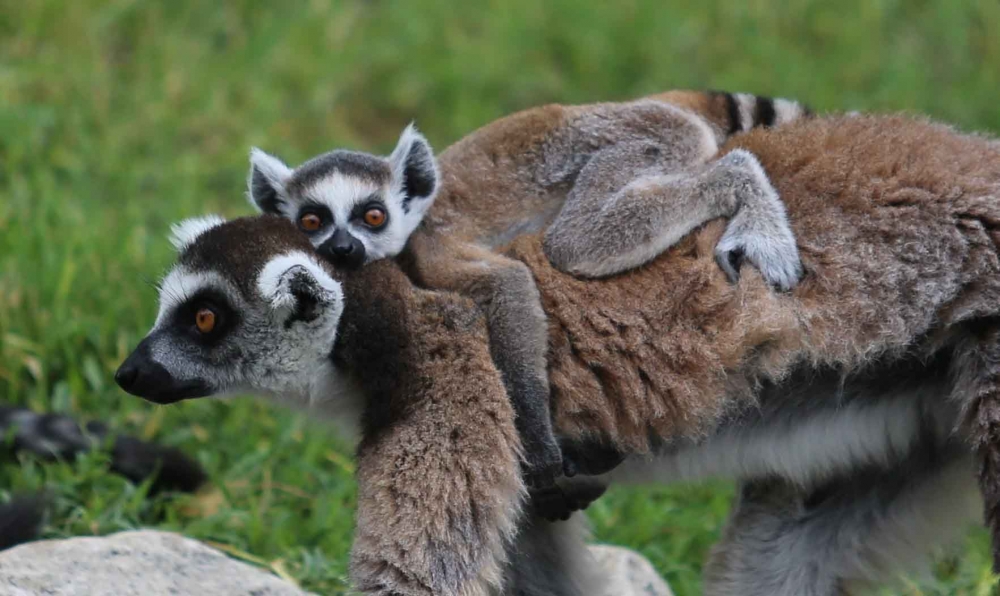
pixel 185 316
pixel 317 209
pixel 374 201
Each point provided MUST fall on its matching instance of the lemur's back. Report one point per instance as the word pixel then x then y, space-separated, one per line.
pixel 512 175
pixel 897 223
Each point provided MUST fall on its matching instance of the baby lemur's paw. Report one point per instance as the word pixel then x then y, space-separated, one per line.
pixel 759 233
pixel 543 462
pixel 560 501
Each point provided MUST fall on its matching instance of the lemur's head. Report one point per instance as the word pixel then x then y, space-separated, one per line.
pixel 247 308
pixel 354 207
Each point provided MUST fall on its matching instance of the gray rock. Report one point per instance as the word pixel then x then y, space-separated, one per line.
pixel 629 573
pixel 152 563
pixel 143 563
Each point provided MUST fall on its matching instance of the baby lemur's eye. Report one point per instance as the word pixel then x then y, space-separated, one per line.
pixel 375 217
pixel 204 320
pixel 310 222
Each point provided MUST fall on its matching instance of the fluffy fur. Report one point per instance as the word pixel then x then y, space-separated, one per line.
pixel 632 184
pixel 184 233
pixel 341 182
pixel 437 465
pixel 896 226
pixel 612 185
pixel 439 486
pixel 893 217
pixel 896 221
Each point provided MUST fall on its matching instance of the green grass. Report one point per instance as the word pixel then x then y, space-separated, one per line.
pixel 119 117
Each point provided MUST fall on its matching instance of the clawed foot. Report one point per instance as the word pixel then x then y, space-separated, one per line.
pixel 759 233
pixel 544 464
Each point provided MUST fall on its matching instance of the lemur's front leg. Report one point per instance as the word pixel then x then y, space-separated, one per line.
pixel 439 488
pixel 505 290
pixel 625 209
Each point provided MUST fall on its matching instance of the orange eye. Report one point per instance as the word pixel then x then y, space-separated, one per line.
pixel 375 217
pixel 204 319
pixel 310 222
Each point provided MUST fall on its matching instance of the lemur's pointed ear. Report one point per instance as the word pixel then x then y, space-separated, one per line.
pixel 414 168
pixel 266 182
pixel 299 289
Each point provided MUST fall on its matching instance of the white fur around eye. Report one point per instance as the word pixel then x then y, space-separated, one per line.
pixel 184 233
pixel 180 284
pixel 340 193
pixel 272 279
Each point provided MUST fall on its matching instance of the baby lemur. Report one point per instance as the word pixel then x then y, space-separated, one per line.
pixel 613 185
pixel 836 405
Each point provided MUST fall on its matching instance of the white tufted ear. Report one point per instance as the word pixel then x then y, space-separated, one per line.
pixel 414 169
pixel 266 181
pixel 184 233
pixel 295 284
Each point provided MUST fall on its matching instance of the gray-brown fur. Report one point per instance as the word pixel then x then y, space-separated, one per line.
pixel 349 163
pixel 551 168
pixel 896 220
pixel 438 481
pixel 896 225
pixel 623 181
pixel 439 488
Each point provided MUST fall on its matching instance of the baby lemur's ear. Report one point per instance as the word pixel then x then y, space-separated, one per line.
pixel 298 289
pixel 414 169
pixel 266 182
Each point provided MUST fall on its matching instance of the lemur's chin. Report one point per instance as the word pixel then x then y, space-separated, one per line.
pixel 181 392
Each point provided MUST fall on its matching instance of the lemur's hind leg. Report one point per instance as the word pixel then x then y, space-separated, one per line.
pixel 505 290
pixel 552 559
pixel 845 537
pixel 628 205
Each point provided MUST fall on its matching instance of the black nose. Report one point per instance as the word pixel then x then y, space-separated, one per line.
pixel 127 375
pixel 343 250
pixel 142 376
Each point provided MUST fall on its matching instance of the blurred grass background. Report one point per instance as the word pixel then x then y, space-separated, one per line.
pixel 120 117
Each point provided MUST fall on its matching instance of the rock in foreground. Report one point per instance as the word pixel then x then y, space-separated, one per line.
pixel 139 563
pixel 152 563
pixel 629 573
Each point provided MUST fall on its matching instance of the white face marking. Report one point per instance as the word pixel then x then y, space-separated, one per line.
pixel 263 353
pixel 341 194
pixel 184 233
pixel 180 284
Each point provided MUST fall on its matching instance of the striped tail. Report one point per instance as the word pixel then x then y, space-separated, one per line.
pixel 21 519
pixel 744 111
pixel 56 436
